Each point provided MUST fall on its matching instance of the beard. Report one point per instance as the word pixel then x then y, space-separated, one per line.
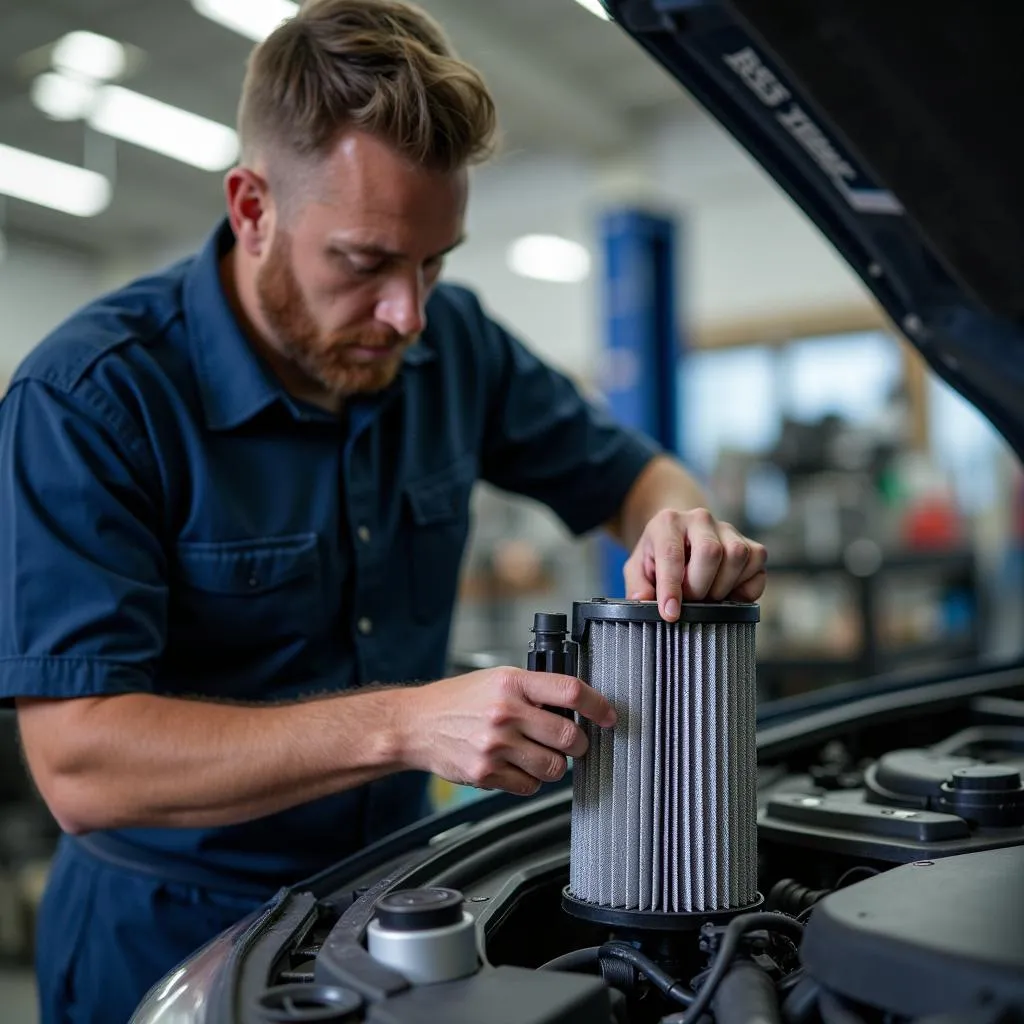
pixel 333 360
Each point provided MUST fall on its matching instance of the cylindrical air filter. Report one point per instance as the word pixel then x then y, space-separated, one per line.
pixel 664 814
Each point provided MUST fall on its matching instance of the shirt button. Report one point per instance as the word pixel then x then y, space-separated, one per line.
pixel 365 626
pixel 253 581
pixel 363 533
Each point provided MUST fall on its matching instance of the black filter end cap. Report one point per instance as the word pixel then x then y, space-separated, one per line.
pixel 419 910
pixel 550 622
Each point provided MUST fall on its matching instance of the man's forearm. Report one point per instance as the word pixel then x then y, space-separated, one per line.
pixel 138 760
pixel 664 483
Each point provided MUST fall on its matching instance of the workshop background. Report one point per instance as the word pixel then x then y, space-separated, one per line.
pixel 629 242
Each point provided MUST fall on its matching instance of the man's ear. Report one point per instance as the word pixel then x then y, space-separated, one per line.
pixel 250 209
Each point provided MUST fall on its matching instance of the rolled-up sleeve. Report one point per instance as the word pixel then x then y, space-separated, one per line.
pixel 546 441
pixel 83 597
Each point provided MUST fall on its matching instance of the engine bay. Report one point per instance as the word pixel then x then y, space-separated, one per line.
pixel 890 870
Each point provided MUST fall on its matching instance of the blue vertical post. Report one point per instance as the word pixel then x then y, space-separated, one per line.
pixel 644 340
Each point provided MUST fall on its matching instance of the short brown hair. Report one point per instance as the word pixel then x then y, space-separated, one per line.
pixel 381 66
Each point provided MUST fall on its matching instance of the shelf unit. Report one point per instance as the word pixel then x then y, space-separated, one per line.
pixel 781 672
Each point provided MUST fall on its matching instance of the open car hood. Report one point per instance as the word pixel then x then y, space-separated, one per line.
pixel 893 127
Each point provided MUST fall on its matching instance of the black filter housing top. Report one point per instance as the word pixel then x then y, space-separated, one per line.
pixel 932 937
pixel 608 609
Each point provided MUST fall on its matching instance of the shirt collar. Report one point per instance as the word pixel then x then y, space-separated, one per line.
pixel 234 382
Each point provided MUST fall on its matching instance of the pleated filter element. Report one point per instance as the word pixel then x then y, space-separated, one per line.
pixel 665 804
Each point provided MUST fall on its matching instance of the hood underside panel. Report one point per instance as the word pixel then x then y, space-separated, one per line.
pixel 894 127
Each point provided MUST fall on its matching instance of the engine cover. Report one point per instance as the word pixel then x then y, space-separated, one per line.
pixel 931 937
pixel 963 795
pixel 504 995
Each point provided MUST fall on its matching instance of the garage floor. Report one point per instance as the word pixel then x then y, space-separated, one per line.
pixel 18 997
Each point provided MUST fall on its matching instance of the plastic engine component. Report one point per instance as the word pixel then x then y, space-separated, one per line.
pixel 504 995
pixel 305 1004
pixel 932 937
pixel 911 778
pixel 984 794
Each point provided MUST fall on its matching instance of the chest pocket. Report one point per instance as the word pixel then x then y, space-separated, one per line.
pixel 248 594
pixel 439 511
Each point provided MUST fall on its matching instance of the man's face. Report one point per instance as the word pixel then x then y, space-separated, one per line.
pixel 344 282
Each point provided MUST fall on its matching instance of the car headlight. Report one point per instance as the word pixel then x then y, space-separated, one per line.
pixel 183 996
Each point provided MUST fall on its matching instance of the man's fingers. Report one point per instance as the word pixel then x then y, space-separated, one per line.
pixel 639 586
pixel 705 555
pixel 752 589
pixel 758 559
pixel 540 763
pixel 568 692
pixel 732 570
pixel 517 782
pixel 668 540
pixel 555 732
pixel 508 778
pixel 750 583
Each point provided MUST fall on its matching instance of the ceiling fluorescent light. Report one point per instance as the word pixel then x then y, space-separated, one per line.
pixel 168 130
pixel 595 7
pixel 254 19
pixel 549 258
pixel 63 98
pixel 38 179
pixel 92 57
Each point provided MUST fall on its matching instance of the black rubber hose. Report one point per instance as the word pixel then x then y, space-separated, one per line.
pixel 857 874
pixel 835 1010
pixel 790 981
pixel 668 986
pixel 790 897
pixel 574 960
pixel 746 994
pixel 801 1005
pixel 735 931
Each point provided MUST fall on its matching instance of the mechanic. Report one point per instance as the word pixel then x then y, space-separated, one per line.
pixel 236 496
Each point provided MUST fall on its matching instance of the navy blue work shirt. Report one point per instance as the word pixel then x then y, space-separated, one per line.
pixel 176 523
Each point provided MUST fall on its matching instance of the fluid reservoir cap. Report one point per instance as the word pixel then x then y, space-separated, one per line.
pixel 986 778
pixel 418 910
pixel 988 795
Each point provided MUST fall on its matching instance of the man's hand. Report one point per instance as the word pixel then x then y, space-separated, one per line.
pixel 690 556
pixel 488 729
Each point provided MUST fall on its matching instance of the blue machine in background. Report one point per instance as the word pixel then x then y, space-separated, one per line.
pixel 644 338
